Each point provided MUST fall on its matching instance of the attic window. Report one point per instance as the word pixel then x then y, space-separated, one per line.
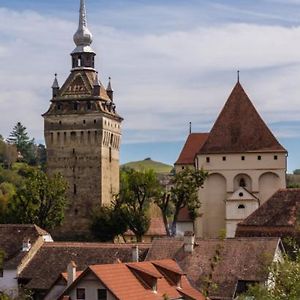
pixel 224 158
pixel 241 206
pixel 258 157
pixel 207 159
pixel 102 294
pixel 275 157
pixel 241 194
pixel 80 293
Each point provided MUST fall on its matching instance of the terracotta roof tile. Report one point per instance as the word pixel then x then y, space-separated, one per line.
pixel 239 128
pixel 54 257
pixel 191 147
pixel 238 259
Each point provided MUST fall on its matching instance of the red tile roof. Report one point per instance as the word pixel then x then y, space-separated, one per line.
pixel 184 215
pixel 124 283
pixel 278 216
pixel 191 147
pixel 239 128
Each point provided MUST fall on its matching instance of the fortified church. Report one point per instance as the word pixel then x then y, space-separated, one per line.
pixel 245 161
pixel 82 132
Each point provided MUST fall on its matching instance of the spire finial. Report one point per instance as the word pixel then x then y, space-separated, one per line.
pixel 190 127
pixel 96 82
pixel 238 76
pixel 109 90
pixel 83 36
pixel 55 84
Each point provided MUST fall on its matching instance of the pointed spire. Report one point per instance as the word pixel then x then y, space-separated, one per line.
pixel 97 85
pixel 82 37
pixel 55 86
pixel 238 76
pixel 109 90
pixel 190 127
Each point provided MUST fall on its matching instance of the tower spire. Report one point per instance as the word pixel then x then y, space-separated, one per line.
pixel 109 90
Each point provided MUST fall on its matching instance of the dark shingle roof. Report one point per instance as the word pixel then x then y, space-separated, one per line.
pixel 11 240
pixel 191 147
pixel 240 258
pixel 53 258
pixel 278 216
pixel 239 128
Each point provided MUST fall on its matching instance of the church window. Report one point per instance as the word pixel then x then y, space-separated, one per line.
pixel 74 189
pixel 275 157
pixel 259 157
pixel 241 206
pixel 207 159
pixel 224 158
pixel 243 158
pixel 242 182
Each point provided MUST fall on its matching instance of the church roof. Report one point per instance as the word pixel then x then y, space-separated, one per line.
pixel 239 128
pixel 191 147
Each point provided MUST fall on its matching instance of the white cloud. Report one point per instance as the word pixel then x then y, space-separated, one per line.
pixel 162 81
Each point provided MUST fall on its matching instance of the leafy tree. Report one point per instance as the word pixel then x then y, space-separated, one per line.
pixel 24 144
pixel 297 172
pixel 184 193
pixel 108 223
pixel 40 200
pixel 7 191
pixel 283 282
pixel 137 190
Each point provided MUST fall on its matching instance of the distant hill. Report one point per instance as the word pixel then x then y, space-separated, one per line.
pixel 147 164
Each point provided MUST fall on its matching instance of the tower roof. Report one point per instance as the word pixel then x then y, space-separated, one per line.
pixel 55 84
pixel 239 128
pixel 83 38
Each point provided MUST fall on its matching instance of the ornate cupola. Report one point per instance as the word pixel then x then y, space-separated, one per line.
pixel 83 56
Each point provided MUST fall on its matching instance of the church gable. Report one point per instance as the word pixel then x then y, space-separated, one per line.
pixel 242 194
pixel 239 128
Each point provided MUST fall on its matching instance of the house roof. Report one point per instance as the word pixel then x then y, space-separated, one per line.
pixel 157 228
pixel 239 128
pixel 54 257
pixel 240 258
pixel 184 215
pixel 278 216
pixel 128 281
pixel 11 241
pixel 191 147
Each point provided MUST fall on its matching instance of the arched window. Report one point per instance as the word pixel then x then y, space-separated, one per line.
pixel 241 206
pixel 242 182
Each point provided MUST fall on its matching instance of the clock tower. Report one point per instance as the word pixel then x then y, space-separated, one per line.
pixel 82 132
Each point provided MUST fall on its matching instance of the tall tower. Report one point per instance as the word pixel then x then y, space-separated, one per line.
pixel 82 132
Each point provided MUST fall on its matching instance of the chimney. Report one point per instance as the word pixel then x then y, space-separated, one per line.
pixel 135 253
pixel 189 241
pixel 26 245
pixel 71 271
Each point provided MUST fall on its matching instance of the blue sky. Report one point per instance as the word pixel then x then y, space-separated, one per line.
pixel 172 62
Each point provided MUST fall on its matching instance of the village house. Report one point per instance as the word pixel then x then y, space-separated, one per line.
pixel 160 279
pixel 221 268
pixel 245 162
pixel 19 244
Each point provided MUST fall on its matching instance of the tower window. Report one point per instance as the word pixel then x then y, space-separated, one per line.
pixel 258 157
pixel 224 158
pixel 207 159
pixel 243 158
pixel 59 122
pixel 242 182
pixel 95 121
pixel 75 106
pixel 58 106
pixel 275 157
pixel 73 136
pixel 74 189
pixel 241 206
pixel 83 121
pixel 110 158
pixel 89 105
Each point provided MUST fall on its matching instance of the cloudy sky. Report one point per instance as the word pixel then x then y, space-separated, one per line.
pixel 172 62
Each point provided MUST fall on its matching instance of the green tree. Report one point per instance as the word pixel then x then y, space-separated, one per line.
pixel 108 223
pixel 137 191
pixel 40 200
pixel 183 193
pixel 283 282
pixel 24 144
pixel 297 172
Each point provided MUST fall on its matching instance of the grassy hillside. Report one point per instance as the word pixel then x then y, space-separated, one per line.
pixel 147 164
